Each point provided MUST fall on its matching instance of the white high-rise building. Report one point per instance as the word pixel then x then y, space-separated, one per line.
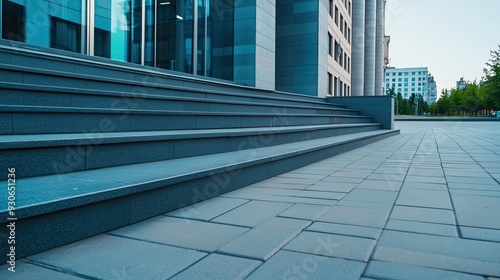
pixel 411 80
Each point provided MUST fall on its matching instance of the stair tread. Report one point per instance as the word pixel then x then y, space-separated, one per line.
pixel 61 139
pixel 92 92
pixel 61 109
pixel 83 187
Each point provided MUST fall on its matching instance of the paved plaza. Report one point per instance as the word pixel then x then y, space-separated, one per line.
pixel 424 204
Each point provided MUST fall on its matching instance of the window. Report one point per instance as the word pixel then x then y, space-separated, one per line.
pixel 335 86
pixel 406 73
pixel 330 8
pixel 349 35
pixel 406 79
pixel 387 74
pixel 330 44
pixel 406 90
pixel 406 84
pixel 336 15
pixel 341 93
pixel 338 51
pixel 348 91
pixel 412 84
pixel 345 61
pixel 349 8
pixel 413 89
pixel 413 79
pixel 341 24
pixel 348 65
pixel 65 35
pixel 13 16
pixel 386 80
pixel 400 79
pixel 394 74
pixel 413 73
pixel 399 85
pixel 345 29
pixel 393 79
pixel 386 85
pixel 330 78
pixel 419 84
pixel 400 74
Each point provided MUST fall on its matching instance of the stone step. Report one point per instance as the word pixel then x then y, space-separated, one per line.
pixel 38 95
pixel 63 153
pixel 54 67
pixel 45 119
pixel 58 209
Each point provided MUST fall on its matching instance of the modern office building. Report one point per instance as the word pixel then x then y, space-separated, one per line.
pixel 413 80
pixel 461 84
pixel 311 47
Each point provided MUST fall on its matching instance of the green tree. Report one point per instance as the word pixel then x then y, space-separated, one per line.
pixel 492 75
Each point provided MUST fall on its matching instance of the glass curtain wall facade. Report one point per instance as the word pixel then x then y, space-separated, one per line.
pixel 190 36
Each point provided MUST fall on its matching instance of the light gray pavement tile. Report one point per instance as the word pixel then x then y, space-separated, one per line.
pixel 469 256
pixel 465 173
pixel 425 186
pixel 26 271
pixel 216 266
pixel 386 177
pixel 110 257
pixel 313 171
pixel 208 209
pixel 472 186
pixel 184 233
pixel 320 194
pixel 356 231
pixel 302 176
pixel 425 228
pixel 351 174
pixel 369 217
pixel 371 196
pixel 332 245
pixel 364 204
pixel 294 181
pixel 252 213
pixel 391 170
pixel 389 185
pixel 442 245
pixel 438 216
pixel 424 179
pixel 476 192
pixel 480 233
pixel 280 185
pixel 304 211
pixel 428 172
pixel 389 270
pixel 340 179
pixel 332 187
pixel 284 199
pixel 266 239
pixel 424 198
pixel 259 190
pixel 477 211
pixel 472 180
pixel 294 265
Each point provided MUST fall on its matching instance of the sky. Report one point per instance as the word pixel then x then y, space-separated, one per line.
pixel 453 38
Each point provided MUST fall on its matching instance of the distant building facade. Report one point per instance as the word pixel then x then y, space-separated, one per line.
pixel 461 84
pixel 415 80
pixel 311 47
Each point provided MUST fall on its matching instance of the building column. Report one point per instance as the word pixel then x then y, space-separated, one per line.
pixel 379 49
pixel 358 48
pixel 370 35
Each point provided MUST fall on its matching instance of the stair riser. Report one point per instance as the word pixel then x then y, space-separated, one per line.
pixel 90 154
pixel 71 99
pixel 63 227
pixel 59 122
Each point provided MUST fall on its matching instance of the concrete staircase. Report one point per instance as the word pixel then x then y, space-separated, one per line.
pixel 98 144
